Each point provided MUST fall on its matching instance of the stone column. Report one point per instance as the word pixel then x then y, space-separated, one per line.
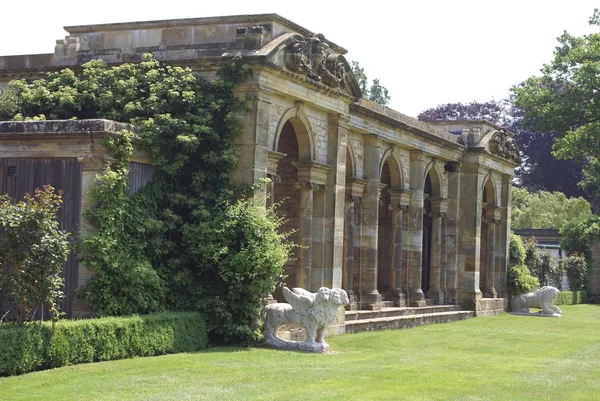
pixel 337 138
pixel 504 237
pixel 354 196
pixel 369 296
pixel 305 228
pixel 470 203
pixel 439 209
pixel 312 177
pixel 400 201
pixel 492 220
pixel 417 184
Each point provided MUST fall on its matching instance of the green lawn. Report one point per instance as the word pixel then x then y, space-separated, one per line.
pixel 489 358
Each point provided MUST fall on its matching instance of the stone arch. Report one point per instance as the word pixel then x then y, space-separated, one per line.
pixel 436 180
pixel 395 169
pixel 350 162
pixel 489 193
pixel 303 130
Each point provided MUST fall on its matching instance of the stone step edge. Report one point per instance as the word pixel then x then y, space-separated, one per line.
pixel 416 310
pixel 409 317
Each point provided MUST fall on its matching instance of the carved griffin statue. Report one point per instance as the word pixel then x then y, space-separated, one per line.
pixel 542 298
pixel 311 311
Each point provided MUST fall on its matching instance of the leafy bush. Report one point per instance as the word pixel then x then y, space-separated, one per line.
pixel 242 255
pixel 571 298
pixel 30 348
pixel 32 252
pixel 519 278
pixel 577 271
pixel 516 250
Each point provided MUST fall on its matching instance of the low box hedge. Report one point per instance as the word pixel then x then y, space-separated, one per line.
pixel 29 348
pixel 571 298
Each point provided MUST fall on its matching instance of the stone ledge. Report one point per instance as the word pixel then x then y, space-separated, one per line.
pixel 62 127
pixel 404 322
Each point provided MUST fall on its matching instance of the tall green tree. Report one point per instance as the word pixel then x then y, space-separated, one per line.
pixel 375 92
pixel 565 99
pixel 546 209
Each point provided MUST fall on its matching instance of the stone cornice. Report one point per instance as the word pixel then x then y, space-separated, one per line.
pixel 426 132
pixel 51 128
pixel 312 172
pixel 184 22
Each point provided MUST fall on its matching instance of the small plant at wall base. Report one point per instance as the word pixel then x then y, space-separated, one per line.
pixel 184 242
pixel 32 252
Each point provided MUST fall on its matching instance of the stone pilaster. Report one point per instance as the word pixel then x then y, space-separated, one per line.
pixel 305 229
pixel 470 235
pixel 354 197
pixel 439 209
pixel 312 179
pixel 504 234
pixel 400 201
pixel 370 298
pixel 493 218
pixel 417 184
pixel 337 137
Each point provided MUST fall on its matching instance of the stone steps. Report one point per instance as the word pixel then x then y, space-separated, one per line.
pixel 389 312
pixel 403 318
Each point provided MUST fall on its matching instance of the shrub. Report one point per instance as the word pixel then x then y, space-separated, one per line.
pixel 516 250
pixel 520 281
pixel 241 256
pixel 576 268
pixel 519 278
pixel 571 298
pixel 32 252
pixel 78 341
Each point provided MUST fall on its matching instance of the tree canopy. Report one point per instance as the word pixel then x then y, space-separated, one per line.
pixel 376 92
pixel 546 209
pixel 565 99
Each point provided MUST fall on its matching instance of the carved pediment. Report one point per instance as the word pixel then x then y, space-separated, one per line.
pixel 503 145
pixel 313 57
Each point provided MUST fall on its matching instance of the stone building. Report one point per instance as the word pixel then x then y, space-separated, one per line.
pixel 394 210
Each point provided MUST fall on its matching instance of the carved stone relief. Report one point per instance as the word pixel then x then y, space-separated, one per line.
pixel 504 146
pixel 312 56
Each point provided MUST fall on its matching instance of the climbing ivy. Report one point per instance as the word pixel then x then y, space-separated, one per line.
pixel 185 241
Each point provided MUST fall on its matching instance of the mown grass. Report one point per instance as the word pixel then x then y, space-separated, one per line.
pixel 489 358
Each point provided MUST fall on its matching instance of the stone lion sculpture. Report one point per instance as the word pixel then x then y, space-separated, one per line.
pixel 542 298
pixel 311 311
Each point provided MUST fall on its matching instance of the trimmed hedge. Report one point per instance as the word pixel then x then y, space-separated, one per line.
pixel 571 298
pixel 29 348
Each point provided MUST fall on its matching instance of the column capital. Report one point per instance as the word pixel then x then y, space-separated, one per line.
pixel 492 214
pixel 309 186
pixel 400 198
pixel 273 159
pixel 355 187
pixel 439 205
pixel 313 172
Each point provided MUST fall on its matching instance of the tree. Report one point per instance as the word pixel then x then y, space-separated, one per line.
pixel 376 92
pixel 545 210
pixel 539 169
pixel 565 99
pixel 32 252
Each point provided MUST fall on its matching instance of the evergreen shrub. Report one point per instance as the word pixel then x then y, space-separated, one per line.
pixel 30 348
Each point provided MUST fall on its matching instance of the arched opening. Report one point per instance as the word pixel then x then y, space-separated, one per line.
pixel 427 226
pixel 293 141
